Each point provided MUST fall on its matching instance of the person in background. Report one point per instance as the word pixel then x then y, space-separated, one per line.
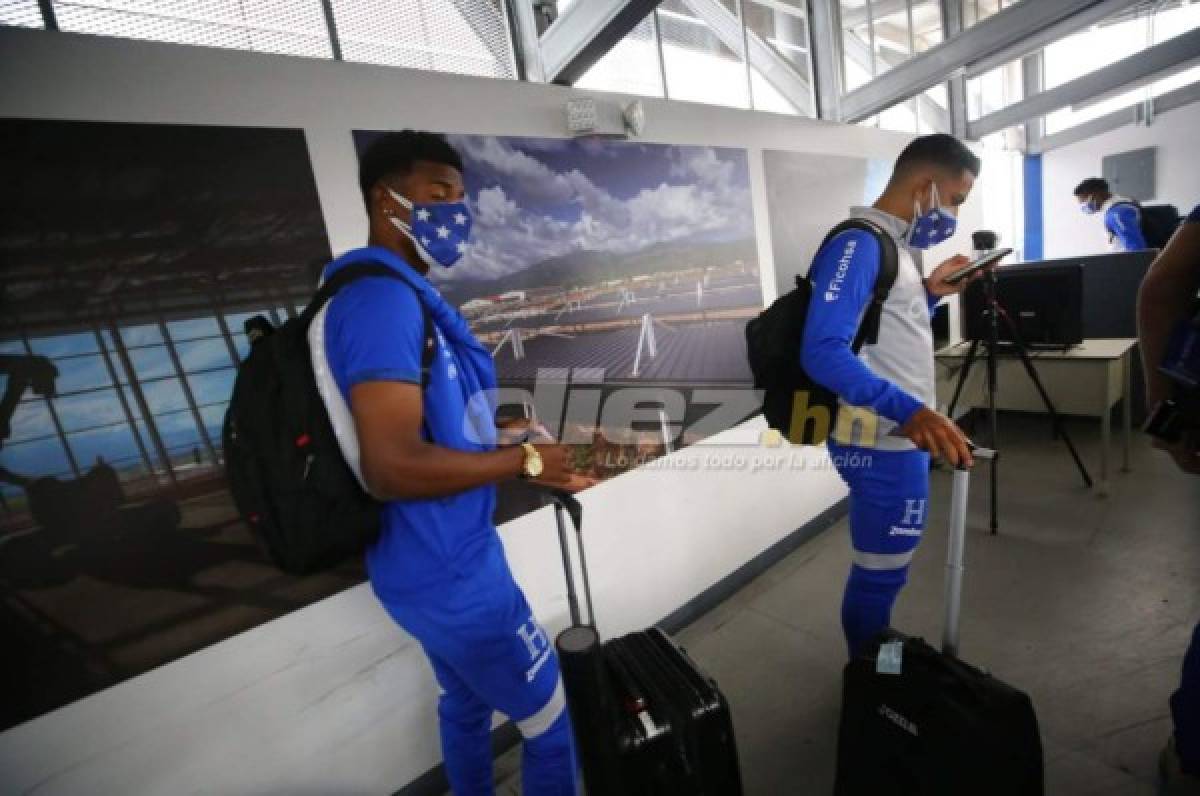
pixel 1122 217
pixel 1167 296
pixel 431 453
pixel 889 476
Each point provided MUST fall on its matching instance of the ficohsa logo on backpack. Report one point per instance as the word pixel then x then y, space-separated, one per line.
pixel 839 276
pixel 898 720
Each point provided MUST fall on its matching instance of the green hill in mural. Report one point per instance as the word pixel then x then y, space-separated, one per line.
pixel 591 267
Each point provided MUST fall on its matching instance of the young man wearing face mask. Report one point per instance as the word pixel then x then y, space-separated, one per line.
pixel 426 443
pixel 894 379
pixel 1122 217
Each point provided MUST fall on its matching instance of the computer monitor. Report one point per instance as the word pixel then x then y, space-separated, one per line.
pixel 1044 301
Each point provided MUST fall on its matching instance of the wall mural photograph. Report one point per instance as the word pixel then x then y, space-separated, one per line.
pixel 131 256
pixel 602 265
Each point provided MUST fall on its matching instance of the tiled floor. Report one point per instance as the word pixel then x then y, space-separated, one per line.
pixel 1085 602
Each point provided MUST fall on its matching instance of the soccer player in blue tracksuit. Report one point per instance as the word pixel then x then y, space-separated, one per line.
pixel 888 474
pixel 1166 298
pixel 1122 217
pixel 432 454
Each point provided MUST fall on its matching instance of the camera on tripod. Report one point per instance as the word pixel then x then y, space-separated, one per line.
pixel 1179 415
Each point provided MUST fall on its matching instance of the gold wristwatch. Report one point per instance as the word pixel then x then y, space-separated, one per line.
pixel 532 467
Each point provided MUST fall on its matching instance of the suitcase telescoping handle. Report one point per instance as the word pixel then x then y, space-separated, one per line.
pixel 566 504
pixel 954 550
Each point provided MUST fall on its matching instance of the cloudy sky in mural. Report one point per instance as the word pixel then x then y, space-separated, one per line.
pixel 537 199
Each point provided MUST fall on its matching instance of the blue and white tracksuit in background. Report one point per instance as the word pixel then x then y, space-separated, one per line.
pixel 887 475
pixel 438 566
pixel 1123 220
pixel 1185 702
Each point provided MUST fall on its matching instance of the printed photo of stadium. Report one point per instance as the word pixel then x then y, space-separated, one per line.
pixel 609 264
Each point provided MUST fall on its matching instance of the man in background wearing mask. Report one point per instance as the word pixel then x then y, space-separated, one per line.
pixel 895 379
pixel 426 444
pixel 1122 217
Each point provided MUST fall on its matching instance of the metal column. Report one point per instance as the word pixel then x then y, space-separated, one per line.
pixel 58 426
pixel 825 46
pixel 956 85
pixel 116 382
pixel 136 388
pixel 187 391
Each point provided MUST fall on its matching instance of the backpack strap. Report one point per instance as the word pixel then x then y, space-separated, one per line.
pixel 868 330
pixel 364 270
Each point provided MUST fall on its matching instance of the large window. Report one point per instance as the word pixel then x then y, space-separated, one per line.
pixel 463 36
pixel 879 35
pixel 127 397
pixel 1120 37
pixel 736 53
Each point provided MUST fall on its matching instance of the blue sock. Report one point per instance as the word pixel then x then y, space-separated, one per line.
pixel 867 604
pixel 548 765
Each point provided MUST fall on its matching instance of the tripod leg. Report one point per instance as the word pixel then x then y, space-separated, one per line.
pixel 1054 417
pixel 994 436
pixel 962 377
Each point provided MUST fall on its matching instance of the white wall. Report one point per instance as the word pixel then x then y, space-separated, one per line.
pixel 334 698
pixel 1067 231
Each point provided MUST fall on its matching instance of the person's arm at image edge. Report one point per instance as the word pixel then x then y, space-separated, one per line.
pixel 1166 294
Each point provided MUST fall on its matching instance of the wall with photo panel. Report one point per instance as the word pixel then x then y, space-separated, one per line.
pixel 332 697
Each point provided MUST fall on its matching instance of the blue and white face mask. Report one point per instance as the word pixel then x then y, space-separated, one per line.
pixel 931 228
pixel 439 230
pixel 1089 207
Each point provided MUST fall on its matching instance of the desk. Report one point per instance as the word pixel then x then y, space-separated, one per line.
pixel 1086 380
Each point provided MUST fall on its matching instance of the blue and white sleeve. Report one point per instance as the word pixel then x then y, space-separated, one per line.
pixel 843 277
pixel 1124 222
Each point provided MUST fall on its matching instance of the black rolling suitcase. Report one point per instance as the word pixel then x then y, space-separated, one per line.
pixel 646 719
pixel 919 722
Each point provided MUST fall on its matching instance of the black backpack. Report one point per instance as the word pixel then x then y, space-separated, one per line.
pixel 287 475
pixel 773 342
pixel 1159 223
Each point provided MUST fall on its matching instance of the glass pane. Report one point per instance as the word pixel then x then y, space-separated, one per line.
pixel 89 410
pixel 901 118
pixel 151 363
pixel 64 345
pixel 702 64
pixel 21 13
pixel 214 420
pixel 927 24
pixel 292 27
pixel 164 396
pixel 31 419
pixel 133 336
pixel 893 42
pixel 212 387
pixel 784 35
pixel 114 444
pixel 81 373
pixel 440 35
pixel 203 354
pixel 631 67
pixel 44 457
pixel 193 329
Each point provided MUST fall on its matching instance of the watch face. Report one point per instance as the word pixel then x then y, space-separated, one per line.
pixel 533 466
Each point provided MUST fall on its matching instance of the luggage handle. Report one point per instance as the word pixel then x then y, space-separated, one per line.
pixel 566 503
pixel 956 541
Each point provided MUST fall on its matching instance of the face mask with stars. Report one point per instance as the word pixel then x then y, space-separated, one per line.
pixel 439 230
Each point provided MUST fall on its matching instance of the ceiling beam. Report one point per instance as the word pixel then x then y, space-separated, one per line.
pixel 943 60
pixel 860 52
pixel 1132 114
pixel 585 32
pixel 1138 69
pixel 1048 35
pixel 769 62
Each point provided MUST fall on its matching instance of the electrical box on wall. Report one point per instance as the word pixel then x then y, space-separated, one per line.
pixel 1131 174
